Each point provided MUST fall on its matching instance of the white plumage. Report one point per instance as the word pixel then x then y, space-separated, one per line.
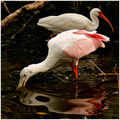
pixel 68 21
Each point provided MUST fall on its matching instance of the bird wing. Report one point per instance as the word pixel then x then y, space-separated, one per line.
pixel 79 48
pixel 85 44
pixel 70 21
pixel 93 34
pixel 64 22
pixel 52 23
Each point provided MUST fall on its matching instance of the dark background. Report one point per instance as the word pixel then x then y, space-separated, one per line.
pixel 30 46
pixel 33 36
pixel 109 8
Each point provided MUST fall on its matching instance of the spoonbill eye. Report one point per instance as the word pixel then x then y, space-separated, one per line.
pixel 24 75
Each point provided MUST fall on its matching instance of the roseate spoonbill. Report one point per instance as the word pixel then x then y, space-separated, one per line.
pixel 69 45
pixel 68 21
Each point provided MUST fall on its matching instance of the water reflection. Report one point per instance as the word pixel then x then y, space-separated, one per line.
pixel 64 105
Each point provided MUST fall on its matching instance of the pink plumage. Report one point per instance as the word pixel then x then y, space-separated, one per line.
pixel 92 35
pixel 71 44
pixel 85 45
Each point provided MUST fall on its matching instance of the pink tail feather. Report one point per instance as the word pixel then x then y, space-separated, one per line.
pixel 93 35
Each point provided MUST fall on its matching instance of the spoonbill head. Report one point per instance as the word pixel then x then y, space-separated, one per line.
pixel 25 74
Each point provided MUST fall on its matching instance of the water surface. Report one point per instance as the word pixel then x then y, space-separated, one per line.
pixel 56 93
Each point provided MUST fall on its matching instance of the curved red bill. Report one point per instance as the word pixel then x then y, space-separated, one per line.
pixel 103 17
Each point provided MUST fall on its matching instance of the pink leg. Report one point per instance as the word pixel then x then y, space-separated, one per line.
pixel 76 72
pixel 72 66
pixel 76 85
pixel 52 35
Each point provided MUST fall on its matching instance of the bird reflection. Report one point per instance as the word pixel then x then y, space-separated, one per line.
pixel 80 105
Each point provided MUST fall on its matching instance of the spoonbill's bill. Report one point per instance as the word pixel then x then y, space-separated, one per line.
pixel 68 21
pixel 69 45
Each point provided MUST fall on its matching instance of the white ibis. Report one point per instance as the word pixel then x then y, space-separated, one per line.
pixel 68 21
pixel 69 45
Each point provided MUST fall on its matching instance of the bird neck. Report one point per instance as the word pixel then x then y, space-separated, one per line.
pixel 95 22
pixel 43 66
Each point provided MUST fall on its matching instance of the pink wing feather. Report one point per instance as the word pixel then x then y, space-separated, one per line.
pixel 86 45
pixel 92 35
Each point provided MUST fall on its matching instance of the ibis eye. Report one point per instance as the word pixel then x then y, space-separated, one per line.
pixel 99 12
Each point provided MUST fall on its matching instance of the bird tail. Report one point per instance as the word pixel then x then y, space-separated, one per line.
pixel 93 34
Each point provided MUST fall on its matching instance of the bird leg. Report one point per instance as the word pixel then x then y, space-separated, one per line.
pixel 76 64
pixel 74 68
pixel 76 71
pixel 52 35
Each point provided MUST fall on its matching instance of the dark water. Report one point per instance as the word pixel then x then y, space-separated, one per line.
pixel 56 93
